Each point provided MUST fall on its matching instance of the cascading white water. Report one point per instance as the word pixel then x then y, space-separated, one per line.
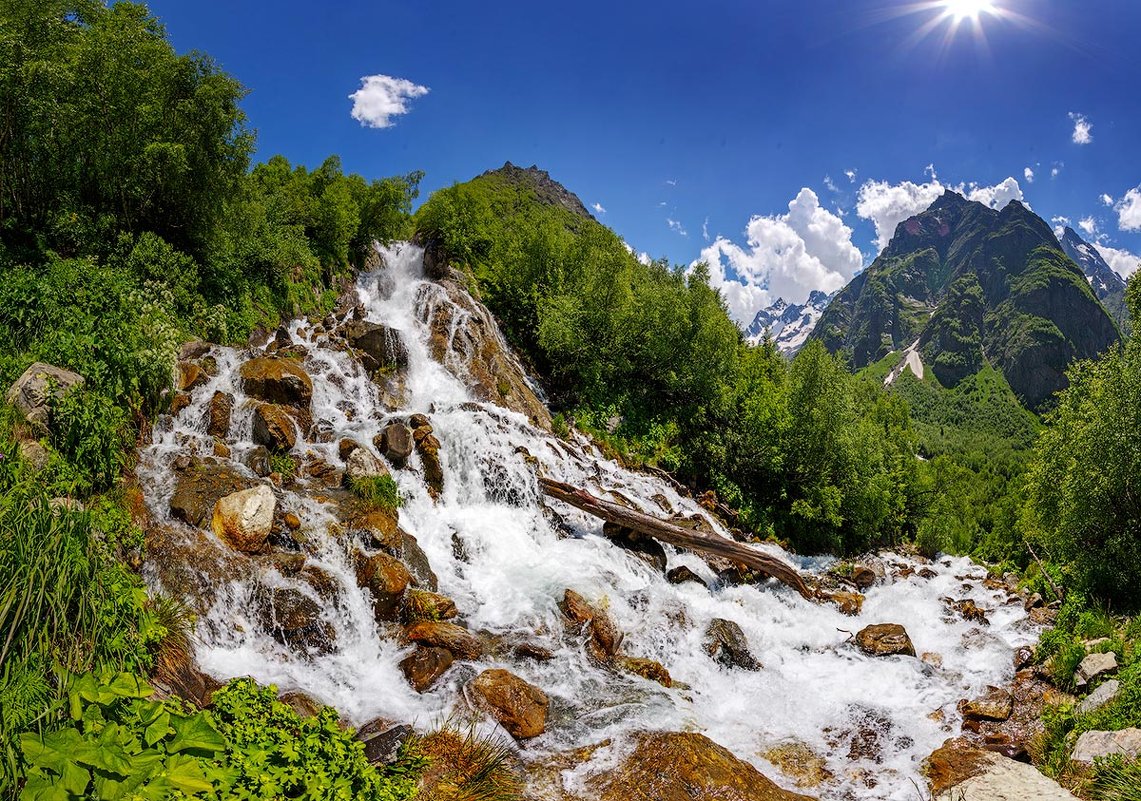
pixel 512 567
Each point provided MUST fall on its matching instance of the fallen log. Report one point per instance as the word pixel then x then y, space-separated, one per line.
pixel 676 535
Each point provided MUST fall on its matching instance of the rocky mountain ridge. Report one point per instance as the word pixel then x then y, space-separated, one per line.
pixel 788 324
pixel 1105 282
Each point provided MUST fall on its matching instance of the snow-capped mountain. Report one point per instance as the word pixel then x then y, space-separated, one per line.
pixel 789 324
pixel 1102 278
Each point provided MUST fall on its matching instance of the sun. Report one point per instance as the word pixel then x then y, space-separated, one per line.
pixel 971 10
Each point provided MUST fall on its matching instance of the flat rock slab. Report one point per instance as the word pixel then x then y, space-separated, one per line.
pixel 957 772
pixel 1095 744
pixel 1099 697
pixel 1093 666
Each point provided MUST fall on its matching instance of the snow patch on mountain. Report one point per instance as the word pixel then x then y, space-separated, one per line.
pixel 788 324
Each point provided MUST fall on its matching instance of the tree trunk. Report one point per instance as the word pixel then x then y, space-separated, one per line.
pixel 678 536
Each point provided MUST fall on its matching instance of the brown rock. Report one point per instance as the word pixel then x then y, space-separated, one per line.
pixel 429 449
pixel 179 402
pixel 274 427
pixel 244 519
pixel 199 486
pixel 685 766
pixel 218 413
pixel 863 577
pixel 456 639
pixel 382 347
pixel 345 447
pixel 190 377
pixel 647 669
pixel 427 605
pixel 604 637
pixel 292 521
pixel 395 443
pixel 275 380
pixel 968 610
pixel 885 639
pixel 294 619
pixel 997 704
pixel 424 666
pixel 521 708
pixel 799 762
pixel 682 574
pixel 386 578
pixel 726 644
pixel 306 706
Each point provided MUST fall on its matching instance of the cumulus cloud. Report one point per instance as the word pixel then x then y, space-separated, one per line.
pixel 830 184
pixel 1028 174
pixel 598 208
pixel 1083 129
pixel 381 98
pixel 676 226
pixel 851 175
pixel 1107 200
pixel 785 256
pixel 886 204
pixel 1122 262
pixel 1129 211
pixel 1060 224
pixel 1089 225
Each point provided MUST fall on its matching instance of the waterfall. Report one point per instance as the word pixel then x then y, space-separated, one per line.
pixel 506 563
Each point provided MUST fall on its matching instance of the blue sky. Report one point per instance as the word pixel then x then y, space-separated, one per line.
pixel 695 126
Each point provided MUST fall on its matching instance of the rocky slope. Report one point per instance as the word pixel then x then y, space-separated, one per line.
pixel 974 286
pixel 1106 284
pixel 788 324
pixel 546 189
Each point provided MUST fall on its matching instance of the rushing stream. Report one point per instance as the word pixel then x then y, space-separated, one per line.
pixel 506 565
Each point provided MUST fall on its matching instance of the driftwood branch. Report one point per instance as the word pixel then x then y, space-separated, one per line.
pixel 676 535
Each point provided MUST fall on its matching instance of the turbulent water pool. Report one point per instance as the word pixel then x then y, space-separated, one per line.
pixel 506 565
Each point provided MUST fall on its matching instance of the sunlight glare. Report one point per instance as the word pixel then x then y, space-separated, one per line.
pixel 968 9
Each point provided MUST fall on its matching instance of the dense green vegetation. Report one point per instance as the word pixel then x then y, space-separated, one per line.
pixel 806 450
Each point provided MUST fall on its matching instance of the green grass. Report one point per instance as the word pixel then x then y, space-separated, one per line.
pixel 379 491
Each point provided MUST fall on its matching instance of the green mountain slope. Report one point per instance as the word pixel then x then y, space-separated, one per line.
pixel 974 287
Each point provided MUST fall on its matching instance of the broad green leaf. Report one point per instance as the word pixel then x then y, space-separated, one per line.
pixel 158 729
pixel 75 779
pixel 128 685
pixel 185 773
pixel 195 733
pixel 40 788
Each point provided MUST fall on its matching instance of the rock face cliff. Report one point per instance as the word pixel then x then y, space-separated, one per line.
pixel 789 324
pixel 974 286
pixel 1105 283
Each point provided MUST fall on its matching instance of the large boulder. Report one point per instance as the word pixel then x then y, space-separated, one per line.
pixel 381 347
pixel 218 412
pixel 603 637
pixel 521 708
pixel 1093 745
pixel 294 619
pixel 884 639
pixel 386 578
pixel 424 666
pixel 199 486
pixel 361 464
pixel 685 766
pixel 275 380
pixel 274 427
pixel 459 641
pixel 726 644
pixel 395 443
pixel 38 388
pixel 1093 666
pixel 244 519
pixel 959 772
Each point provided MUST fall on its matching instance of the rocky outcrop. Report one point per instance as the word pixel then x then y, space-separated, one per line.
pixel 380 347
pixel 1093 666
pixel 884 639
pixel 1092 745
pixel 386 578
pixel 520 707
pixel 198 487
pixel 685 766
pixel 959 772
pixel 726 644
pixel 395 443
pixel 38 388
pixel 459 641
pixel 294 620
pixel 277 380
pixel 244 519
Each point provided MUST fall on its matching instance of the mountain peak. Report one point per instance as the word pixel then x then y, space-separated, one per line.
pixel 546 189
pixel 1105 283
pixel 788 324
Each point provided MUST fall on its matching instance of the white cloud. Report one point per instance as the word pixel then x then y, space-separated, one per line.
pixel 851 175
pixel 1089 225
pixel 1028 174
pixel 671 181
pixel 1123 262
pixel 1106 200
pixel 705 230
pixel 1056 169
pixel 1060 224
pixel 887 204
pixel 676 226
pixel 786 255
pixel 382 97
pixel 598 208
pixel 1083 129
pixel 1129 211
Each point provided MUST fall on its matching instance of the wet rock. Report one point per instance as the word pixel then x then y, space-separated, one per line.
pixel 927 573
pixel 417 562
pixel 849 603
pixel 190 377
pixel 180 401
pixel 323 582
pixel 305 705
pixel 459 641
pixel 884 639
pixel 200 485
pixel 177 675
pixel 685 766
pixel 521 708
pixel 429 449
pixel 726 644
pixel 647 669
pixel 1033 601
pixel 681 574
pixel 345 447
pixel 1023 657
pixel 395 443
pixel 996 704
pixel 361 464
pixel 645 548
pixel 38 388
pixel 381 347
pixel 294 620
pixel 1099 697
pixel 603 637
pixel 931 658
pixel 1093 745
pixel 1093 666
pixel 191 565
pixel 291 521
pixel 244 519
pixel 218 413
pixel 424 666
pixel 386 578
pixel 862 576
pixel 426 605
pixel 195 349
pixel 384 748
pixel 959 772
pixel 258 460
pixel 968 610
pixel 800 763
pixel 274 428
pixel 287 563
pixel 276 380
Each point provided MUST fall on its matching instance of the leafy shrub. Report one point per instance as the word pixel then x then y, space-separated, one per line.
pixel 380 491
pixel 94 436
